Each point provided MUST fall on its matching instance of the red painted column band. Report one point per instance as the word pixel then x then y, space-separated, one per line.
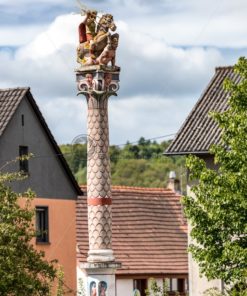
pixel 101 201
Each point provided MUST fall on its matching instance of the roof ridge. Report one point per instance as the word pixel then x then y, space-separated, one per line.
pixel 219 68
pixel 15 88
pixel 137 188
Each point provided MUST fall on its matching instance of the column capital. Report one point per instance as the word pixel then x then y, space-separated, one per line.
pixel 97 81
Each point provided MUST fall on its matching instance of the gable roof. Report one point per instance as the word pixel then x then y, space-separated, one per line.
pixel 9 102
pixel 199 130
pixel 149 233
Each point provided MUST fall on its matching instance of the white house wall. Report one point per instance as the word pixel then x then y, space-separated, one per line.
pixel 124 287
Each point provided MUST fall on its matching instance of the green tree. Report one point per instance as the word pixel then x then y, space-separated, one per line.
pixel 155 290
pixel 213 292
pixel 81 289
pixel 142 164
pixel 23 270
pixel 143 172
pixel 114 153
pixel 231 292
pixel 218 211
pixel 76 155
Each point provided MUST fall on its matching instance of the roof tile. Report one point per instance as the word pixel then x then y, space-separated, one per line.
pixel 199 130
pixel 9 101
pixel 149 231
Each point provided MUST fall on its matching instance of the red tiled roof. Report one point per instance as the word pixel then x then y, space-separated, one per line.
pixel 199 130
pixel 149 231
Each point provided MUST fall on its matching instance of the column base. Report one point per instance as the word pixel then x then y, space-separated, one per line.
pixel 97 278
pixel 105 255
pixel 101 268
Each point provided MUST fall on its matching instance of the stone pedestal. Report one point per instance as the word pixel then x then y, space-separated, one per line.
pixel 97 84
pixel 99 278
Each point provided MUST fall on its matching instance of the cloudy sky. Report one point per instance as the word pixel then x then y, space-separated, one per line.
pixel 168 52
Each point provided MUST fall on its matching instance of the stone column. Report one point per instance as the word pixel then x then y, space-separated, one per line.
pixel 98 84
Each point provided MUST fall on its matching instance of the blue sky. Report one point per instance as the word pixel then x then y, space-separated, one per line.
pixel 168 52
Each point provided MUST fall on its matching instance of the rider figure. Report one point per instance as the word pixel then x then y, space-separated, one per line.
pixel 87 29
pixel 94 39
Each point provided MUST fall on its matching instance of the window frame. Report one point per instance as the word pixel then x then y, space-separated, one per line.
pixel 42 224
pixel 23 163
pixel 176 285
pixel 140 284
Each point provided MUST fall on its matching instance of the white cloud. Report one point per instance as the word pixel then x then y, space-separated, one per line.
pixel 187 22
pixel 49 77
pixel 190 22
pixel 220 31
pixel 62 32
pixel 66 117
pixel 159 82
pixel 19 35
pixel 129 118
pixel 26 2
pixel 151 66
pixel 133 117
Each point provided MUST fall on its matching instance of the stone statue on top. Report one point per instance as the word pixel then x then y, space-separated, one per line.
pixel 97 45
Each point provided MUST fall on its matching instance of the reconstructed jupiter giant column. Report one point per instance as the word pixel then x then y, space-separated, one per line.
pixel 97 81
pixel 98 85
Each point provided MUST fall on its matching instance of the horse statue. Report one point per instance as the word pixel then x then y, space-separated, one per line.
pixel 109 52
pixel 92 45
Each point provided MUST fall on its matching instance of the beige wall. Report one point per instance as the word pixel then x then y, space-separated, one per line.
pixel 62 236
pixel 124 287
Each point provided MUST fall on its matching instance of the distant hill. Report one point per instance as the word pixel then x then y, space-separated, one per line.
pixel 141 164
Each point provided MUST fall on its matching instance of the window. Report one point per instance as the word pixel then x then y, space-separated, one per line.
pixel 175 285
pixel 42 225
pixel 23 151
pixel 181 285
pixel 22 120
pixel 141 286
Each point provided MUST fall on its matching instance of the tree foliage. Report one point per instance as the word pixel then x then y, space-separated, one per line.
pixel 155 290
pixel 140 164
pixel 23 270
pixel 229 292
pixel 218 211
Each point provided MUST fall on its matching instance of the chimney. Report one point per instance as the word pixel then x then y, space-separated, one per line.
pixel 173 182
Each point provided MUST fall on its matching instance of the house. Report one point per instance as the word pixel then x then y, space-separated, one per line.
pixel 149 238
pixel 196 135
pixel 23 130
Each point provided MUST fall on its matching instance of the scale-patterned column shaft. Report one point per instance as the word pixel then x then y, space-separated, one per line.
pixel 98 175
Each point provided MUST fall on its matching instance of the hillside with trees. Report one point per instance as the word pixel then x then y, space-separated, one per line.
pixel 138 164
